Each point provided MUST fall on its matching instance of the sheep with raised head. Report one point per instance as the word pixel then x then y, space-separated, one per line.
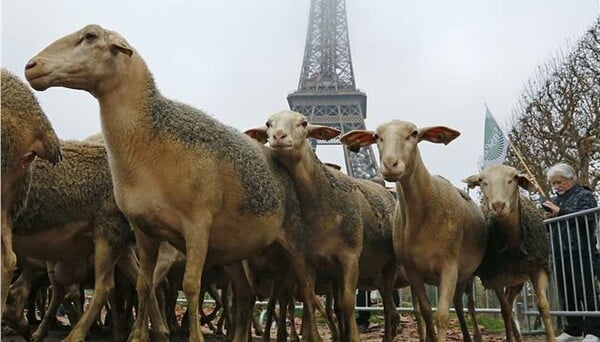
pixel 519 245
pixel 66 213
pixel 349 221
pixel 26 133
pixel 179 175
pixel 439 232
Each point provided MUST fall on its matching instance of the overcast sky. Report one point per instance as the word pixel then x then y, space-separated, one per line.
pixel 429 62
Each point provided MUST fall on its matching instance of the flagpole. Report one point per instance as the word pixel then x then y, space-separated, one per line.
pixel 535 183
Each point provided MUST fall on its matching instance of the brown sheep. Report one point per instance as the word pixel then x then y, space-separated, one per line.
pixel 349 220
pixel 67 213
pixel 439 232
pixel 519 245
pixel 179 175
pixel 26 133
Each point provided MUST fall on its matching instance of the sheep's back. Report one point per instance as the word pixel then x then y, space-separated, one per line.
pixel 378 210
pixel 77 189
pixel 197 131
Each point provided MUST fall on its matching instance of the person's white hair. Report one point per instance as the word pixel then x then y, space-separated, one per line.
pixel 561 170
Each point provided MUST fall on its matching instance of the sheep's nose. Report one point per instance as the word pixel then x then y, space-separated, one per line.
pixel 498 206
pixel 31 64
pixel 390 163
pixel 280 135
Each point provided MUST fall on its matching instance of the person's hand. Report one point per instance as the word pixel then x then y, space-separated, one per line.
pixel 554 209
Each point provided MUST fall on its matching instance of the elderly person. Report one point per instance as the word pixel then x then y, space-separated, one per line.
pixel 575 253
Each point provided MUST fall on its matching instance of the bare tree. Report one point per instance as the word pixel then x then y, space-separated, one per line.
pixel 557 118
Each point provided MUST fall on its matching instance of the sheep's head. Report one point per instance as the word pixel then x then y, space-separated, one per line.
pixel 500 187
pixel 397 143
pixel 287 133
pixel 80 60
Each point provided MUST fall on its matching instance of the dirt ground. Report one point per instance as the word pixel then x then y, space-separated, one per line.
pixel 375 333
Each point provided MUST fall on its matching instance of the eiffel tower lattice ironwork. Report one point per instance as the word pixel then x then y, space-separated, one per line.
pixel 327 92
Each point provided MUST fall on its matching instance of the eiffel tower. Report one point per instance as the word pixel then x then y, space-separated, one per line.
pixel 327 92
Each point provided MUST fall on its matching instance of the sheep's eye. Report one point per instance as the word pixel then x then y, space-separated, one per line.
pixel 510 181
pixel 90 36
pixel 484 184
pixel 268 124
pixel 414 133
pixel 304 123
pixel 377 137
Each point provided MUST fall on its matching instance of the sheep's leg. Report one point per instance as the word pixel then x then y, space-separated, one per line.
pixel 9 258
pixel 421 328
pixel 511 294
pixel 292 317
pixel 506 311
pixel 471 306
pixel 284 301
pixel 242 301
pixel 105 259
pixel 148 252
pixel 73 304
pixel 258 329
pixel 58 294
pixel 460 313
pixel 15 305
pixel 540 284
pixel 391 316
pixel 196 236
pixel 337 307
pixel 331 320
pixel 447 288
pixel 417 287
pixel 349 270
pixel 306 287
pixel 129 264
pixel 269 312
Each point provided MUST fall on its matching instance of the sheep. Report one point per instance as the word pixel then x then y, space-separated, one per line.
pixel 33 273
pixel 519 246
pixel 349 220
pixel 439 232
pixel 26 133
pixel 66 213
pixel 179 175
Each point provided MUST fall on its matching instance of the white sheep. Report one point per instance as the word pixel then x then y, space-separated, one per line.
pixel 519 245
pixel 179 175
pixel 440 233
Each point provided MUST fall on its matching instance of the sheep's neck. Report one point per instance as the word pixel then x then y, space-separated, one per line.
pixel 122 112
pixel 304 172
pixel 507 224
pixel 416 189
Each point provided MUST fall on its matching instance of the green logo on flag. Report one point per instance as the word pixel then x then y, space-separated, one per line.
pixel 495 143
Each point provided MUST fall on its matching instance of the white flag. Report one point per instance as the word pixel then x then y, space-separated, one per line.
pixel 495 143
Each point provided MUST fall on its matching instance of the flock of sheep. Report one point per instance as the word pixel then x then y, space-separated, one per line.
pixel 173 199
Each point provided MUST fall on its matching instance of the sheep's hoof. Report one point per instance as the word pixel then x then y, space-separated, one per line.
pixel 160 336
pixel 37 337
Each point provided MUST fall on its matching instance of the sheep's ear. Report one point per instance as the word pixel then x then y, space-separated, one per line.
pixel 472 181
pixel 322 132
pixel 437 134
pixel 118 44
pixel 525 182
pixel 357 139
pixel 259 134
